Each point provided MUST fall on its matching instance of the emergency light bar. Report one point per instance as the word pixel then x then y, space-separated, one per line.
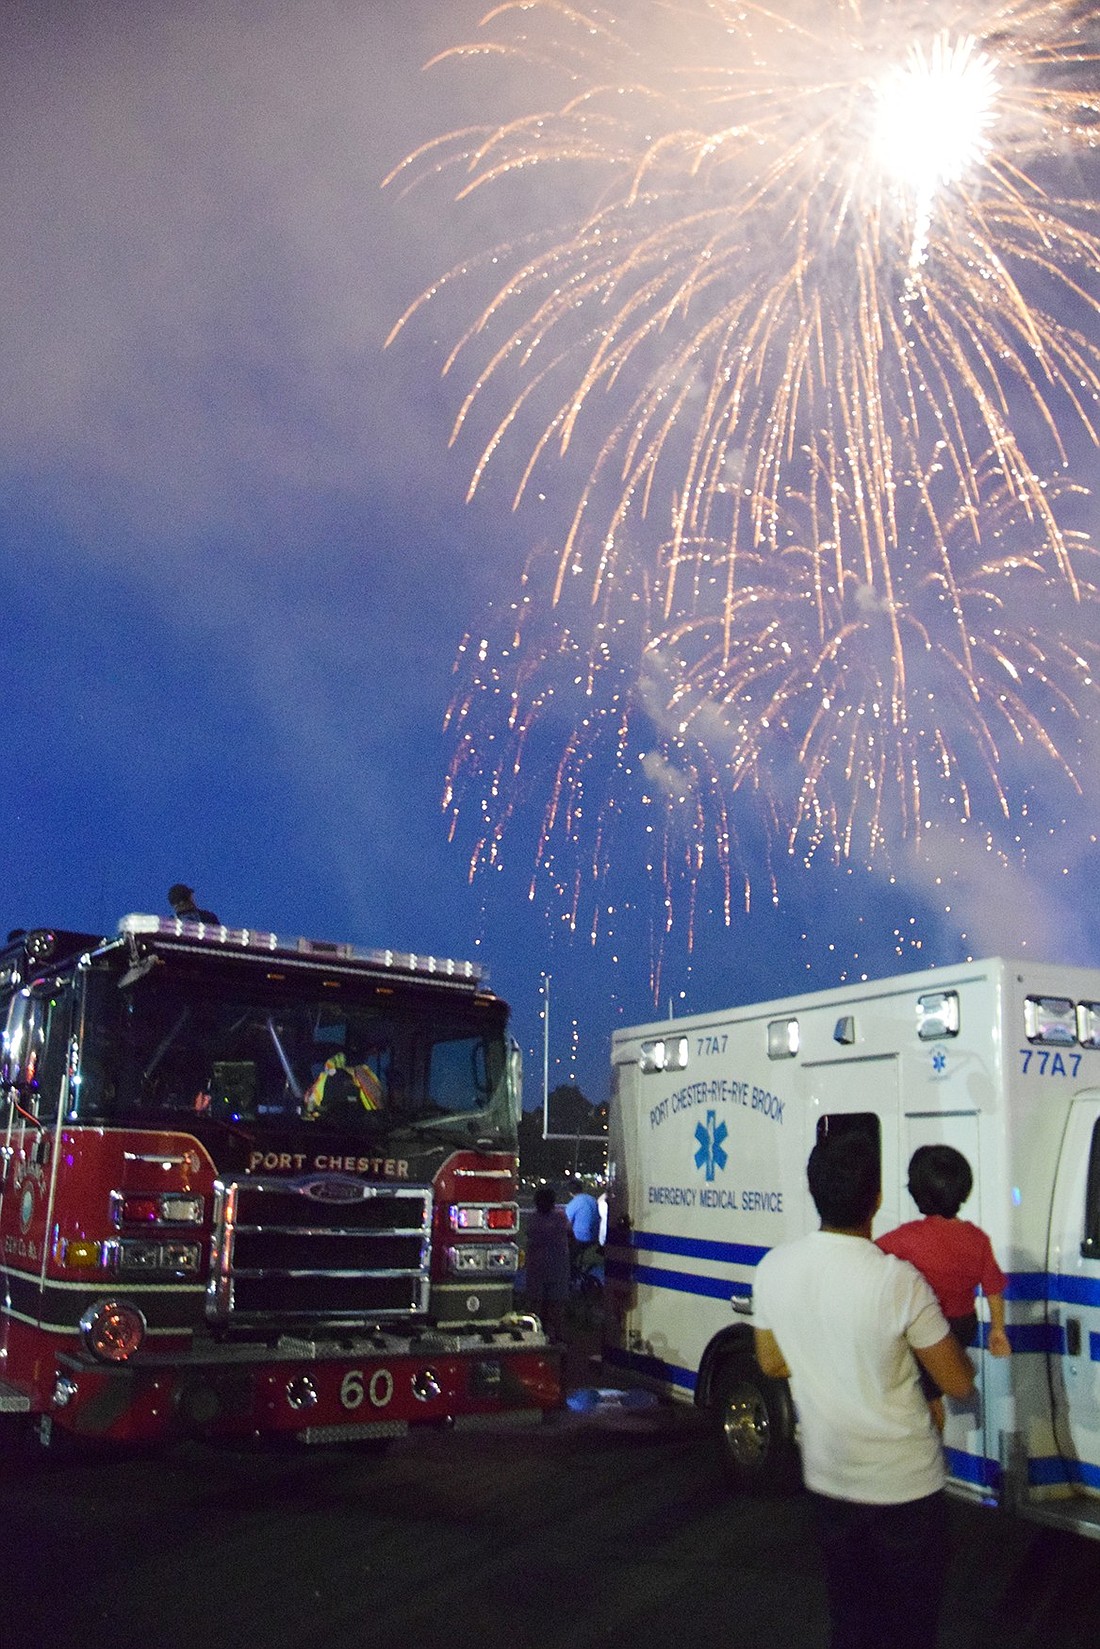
pixel 216 937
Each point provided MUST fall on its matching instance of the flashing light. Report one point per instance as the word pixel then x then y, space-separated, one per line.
pixel 665 1054
pixel 40 945
pixel 81 1253
pixel 479 1216
pixel 217 937
pixel 156 1208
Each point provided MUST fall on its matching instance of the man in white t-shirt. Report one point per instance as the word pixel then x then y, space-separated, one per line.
pixel 843 1323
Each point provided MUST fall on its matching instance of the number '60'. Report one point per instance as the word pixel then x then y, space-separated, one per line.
pixel 379 1388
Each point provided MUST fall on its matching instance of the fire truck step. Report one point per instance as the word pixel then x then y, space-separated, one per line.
pixel 13 1401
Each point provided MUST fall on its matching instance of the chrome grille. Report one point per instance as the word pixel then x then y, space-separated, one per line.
pixel 323 1247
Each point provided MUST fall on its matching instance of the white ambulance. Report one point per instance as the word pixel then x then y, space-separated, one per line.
pixel 712 1120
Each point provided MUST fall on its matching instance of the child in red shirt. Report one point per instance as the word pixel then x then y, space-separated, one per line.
pixel 955 1257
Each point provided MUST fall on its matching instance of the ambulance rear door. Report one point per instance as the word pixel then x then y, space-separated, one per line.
pixel 863 1093
pixel 1073 1308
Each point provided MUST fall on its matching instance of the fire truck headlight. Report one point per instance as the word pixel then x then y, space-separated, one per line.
pixel 505 1258
pixel 466 1258
pixel 137 1254
pixel 112 1330
pixel 181 1210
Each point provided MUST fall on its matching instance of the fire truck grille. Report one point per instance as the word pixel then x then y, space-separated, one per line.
pixel 326 1248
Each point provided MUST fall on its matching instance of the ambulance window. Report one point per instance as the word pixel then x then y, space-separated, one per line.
pixel 1050 1019
pixel 1090 1247
pixel 1088 1024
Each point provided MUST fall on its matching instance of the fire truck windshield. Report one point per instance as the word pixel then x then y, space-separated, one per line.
pixel 234 1046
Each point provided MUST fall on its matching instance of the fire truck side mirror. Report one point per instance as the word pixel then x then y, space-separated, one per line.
pixel 515 1076
pixel 16 1038
pixel 23 1038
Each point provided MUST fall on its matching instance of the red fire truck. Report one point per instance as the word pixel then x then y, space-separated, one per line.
pixel 253 1187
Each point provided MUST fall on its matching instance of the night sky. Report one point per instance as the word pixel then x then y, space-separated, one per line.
pixel 236 562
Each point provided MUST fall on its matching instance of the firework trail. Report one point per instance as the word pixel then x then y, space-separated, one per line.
pixel 826 321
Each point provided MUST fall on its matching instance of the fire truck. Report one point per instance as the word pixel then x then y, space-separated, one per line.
pixel 257 1188
pixel 712 1120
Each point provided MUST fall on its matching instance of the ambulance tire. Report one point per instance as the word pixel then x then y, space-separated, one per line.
pixel 754 1419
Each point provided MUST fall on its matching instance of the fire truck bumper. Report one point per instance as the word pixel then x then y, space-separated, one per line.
pixel 312 1391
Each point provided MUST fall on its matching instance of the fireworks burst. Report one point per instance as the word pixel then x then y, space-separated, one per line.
pixel 825 317
pixel 844 718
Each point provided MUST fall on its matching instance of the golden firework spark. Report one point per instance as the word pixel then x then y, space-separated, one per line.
pixel 828 222
pixel 822 311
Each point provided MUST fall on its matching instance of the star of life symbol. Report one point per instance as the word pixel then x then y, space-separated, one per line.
pixel 711 1137
pixel 939 1061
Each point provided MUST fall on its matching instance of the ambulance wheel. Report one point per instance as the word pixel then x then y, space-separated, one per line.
pixel 755 1422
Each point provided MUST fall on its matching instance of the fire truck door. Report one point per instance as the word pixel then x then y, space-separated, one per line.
pixel 861 1093
pixel 36 1041
pixel 22 1229
pixel 1073 1296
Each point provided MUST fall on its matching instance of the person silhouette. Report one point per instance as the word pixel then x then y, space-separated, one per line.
pixel 182 900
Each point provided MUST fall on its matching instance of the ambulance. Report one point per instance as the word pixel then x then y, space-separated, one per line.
pixel 712 1120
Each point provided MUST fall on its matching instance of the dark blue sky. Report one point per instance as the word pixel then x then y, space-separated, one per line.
pixel 235 561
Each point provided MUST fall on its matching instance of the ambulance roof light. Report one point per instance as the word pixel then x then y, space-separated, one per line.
pixel 783 1038
pixel 937 1015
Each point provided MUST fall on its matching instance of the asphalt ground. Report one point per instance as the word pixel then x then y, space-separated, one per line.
pixel 603 1529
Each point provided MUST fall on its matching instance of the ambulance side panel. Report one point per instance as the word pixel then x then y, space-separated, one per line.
pixel 706 1171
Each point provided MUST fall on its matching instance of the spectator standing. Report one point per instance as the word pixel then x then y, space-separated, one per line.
pixel 583 1213
pixel 547 1261
pixel 954 1256
pixel 842 1320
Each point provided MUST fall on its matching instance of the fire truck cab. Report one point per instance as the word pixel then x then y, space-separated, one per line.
pixel 254 1187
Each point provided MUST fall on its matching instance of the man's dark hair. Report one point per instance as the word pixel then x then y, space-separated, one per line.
pixel 939 1179
pixel 845 1178
pixel 544 1198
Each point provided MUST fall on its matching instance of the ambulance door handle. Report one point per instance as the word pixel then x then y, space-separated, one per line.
pixel 1073 1336
pixel 742 1304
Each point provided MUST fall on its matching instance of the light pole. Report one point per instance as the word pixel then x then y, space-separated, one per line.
pixel 546 1056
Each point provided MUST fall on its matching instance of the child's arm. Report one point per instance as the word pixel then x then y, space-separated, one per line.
pixel 998 1339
